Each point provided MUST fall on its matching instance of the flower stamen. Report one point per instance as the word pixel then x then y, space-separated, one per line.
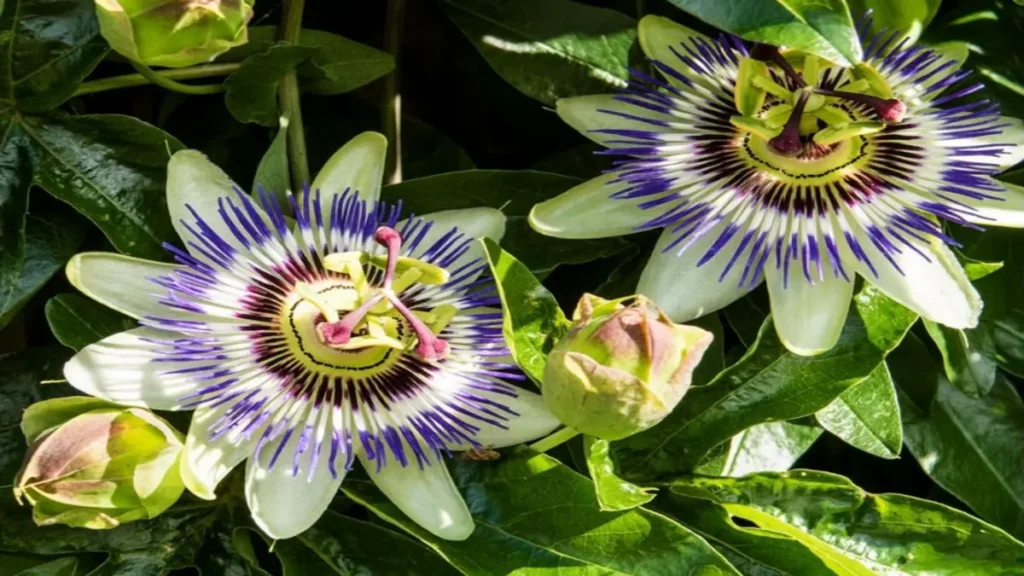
pixel 891 110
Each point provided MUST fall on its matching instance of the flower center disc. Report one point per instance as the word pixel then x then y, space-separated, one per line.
pixel 300 318
pixel 816 164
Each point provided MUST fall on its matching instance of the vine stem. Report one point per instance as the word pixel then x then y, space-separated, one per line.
pixel 391 108
pixel 132 80
pixel 288 94
pixel 174 86
pixel 552 440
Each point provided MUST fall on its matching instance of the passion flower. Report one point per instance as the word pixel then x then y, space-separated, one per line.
pixel 347 335
pixel 781 167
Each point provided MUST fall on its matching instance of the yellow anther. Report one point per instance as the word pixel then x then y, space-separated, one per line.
pixel 307 293
pixel 878 84
pixel 754 126
pixel 443 315
pixel 834 134
pixel 376 331
pixel 768 85
pixel 776 117
pixel 748 97
pixel 808 124
pixel 350 264
pixel 832 117
pixel 860 85
pixel 409 277
pixel 814 102
pixel 431 274
pixel 812 70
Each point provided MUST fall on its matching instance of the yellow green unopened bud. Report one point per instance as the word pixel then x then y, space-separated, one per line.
pixel 620 369
pixel 92 464
pixel 173 33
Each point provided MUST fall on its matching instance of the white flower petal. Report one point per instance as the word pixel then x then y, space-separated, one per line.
pixel 1011 138
pixel 475 223
pixel 1007 210
pixel 286 499
pixel 588 211
pixel 428 496
pixel 598 112
pixel 534 421
pixel 121 282
pixel 685 290
pixel 192 180
pixel 358 166
pixel 658 35
pixel 808 317
pixel 120 368
pixel 937 290
pixel 205 461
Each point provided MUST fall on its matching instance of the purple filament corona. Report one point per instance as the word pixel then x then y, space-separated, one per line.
pixel 226 304
pixel 683 161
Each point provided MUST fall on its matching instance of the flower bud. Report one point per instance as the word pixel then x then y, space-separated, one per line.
pixel 93 464
pixel 620 369
pixel 173 33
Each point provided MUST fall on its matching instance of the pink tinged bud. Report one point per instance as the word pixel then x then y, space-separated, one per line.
pixel 92 464
pixel 173 33
pixel 620 370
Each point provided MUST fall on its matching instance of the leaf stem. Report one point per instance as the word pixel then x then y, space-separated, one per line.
pixel 288 93
pixel 391 108
pixel 174 86
pixel 132 80
pixel 554 439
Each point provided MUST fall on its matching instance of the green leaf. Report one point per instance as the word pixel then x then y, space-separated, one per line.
pixel 514 192
pixel 768 384
pixel 613 493
pixel 745 316
pixel 173 539
pixel 549 49
pixel 1000 332
pixel 425 150
pixel 273 173
pixel 867 415
pixel 533 322
pixel 750 550
pixel 337 65
pixel 48 47
pixel 769 447
pixel 345 546
pixel 58 567
pixel 991 29
pixel 823 27
pixel 856 533
pixel 113 170
pixel 966 367
pixel 251 93
pixel 969 446
pixel 51 240
pixel 535 515
pixel 910 17
pixel 77 322
pixel 16 167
